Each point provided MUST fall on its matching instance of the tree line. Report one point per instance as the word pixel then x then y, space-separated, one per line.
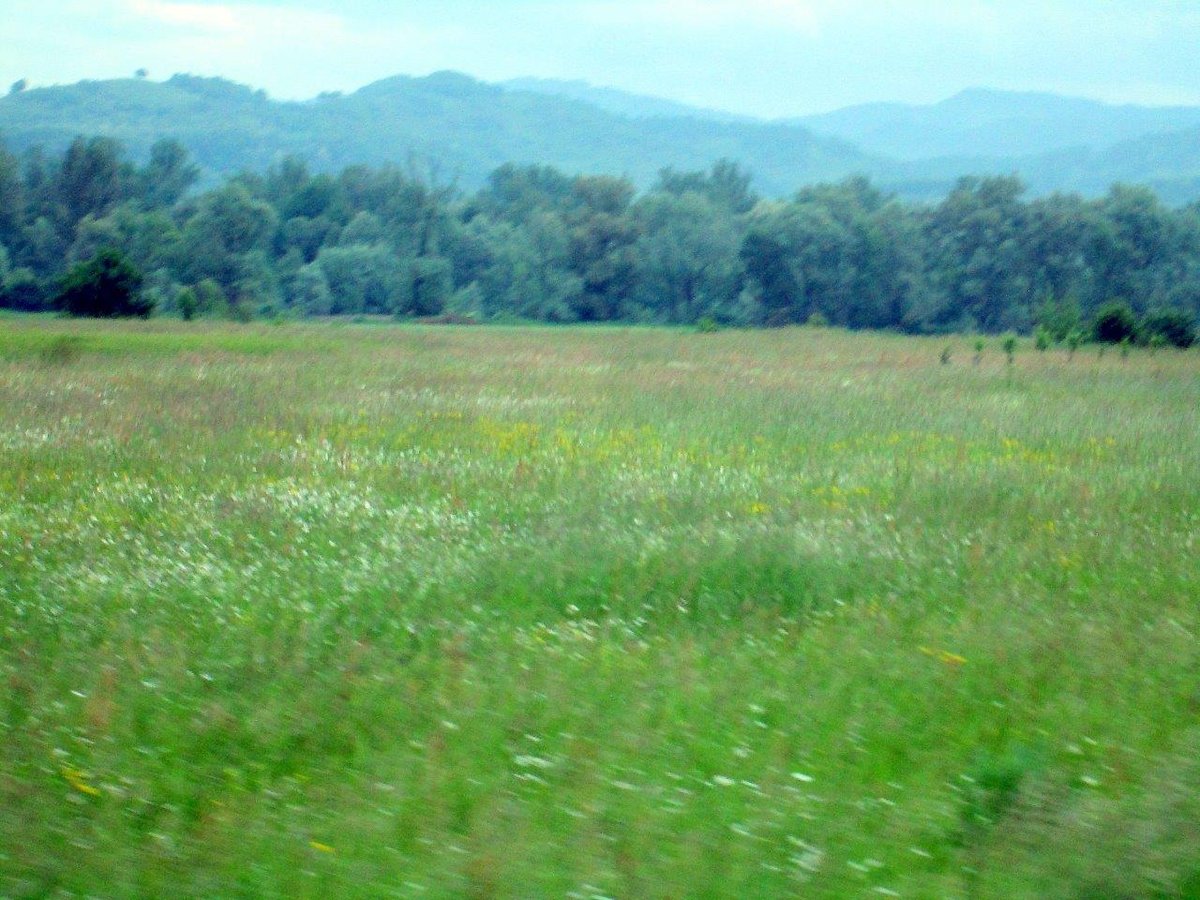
pixel 538 244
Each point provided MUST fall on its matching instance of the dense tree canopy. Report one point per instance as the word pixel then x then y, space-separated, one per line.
pixel 537 243
pixel 106 286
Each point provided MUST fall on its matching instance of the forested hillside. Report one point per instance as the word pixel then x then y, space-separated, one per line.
pixel 536 243
pixel 991 123
pixel 470 127
pixel 920 151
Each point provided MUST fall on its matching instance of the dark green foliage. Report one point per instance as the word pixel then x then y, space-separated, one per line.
pixel 725 185
pixel 1174 326
pixel 430 286
pixel 106 286
pixel 188 304
pixel 93 178
pixel 686 260
pixel 310 291
pixel 538 244
pixel 21 290
pixel 1058 318
pixel 211 299
pixel 1115 323
pixel 168 175
pixel 359 279
pixel 769 267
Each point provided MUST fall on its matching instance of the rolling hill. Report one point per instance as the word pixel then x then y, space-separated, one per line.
pixel 470 127
pixel 467 126
pixel 989 123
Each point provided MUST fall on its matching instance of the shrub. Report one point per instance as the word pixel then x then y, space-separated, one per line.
pixel 1173 326
pixel 211 298
pixel 21 290
pixel 1010 348
pixel 188 304
pixel 106 286
pixel 1114 323
pixel 706 325
pixel 241 310
pixel 1058 318
pixel 1074 339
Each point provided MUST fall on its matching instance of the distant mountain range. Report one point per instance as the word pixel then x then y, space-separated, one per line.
pixel 985 123
pixel 470 127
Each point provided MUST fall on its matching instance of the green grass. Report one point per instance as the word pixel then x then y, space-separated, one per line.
pixel 378 611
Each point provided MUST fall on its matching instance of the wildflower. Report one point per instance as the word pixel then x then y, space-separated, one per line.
pixel 75 778
pixel 944 656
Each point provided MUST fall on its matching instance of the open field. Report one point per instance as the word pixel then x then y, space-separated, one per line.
pixel 363 611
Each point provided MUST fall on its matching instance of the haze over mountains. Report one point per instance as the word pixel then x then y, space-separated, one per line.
pixel 469 127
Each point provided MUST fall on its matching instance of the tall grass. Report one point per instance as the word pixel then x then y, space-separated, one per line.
pixel 397 611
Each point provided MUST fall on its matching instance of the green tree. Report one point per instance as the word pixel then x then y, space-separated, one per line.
pixel 1058 318
pixel 310 291
pixel 525 272
pixel 687 256
pixel 726 185
pixel 187 303
pixel 211 298
pixel 19 288
pixel 13 210
pixel 307 236
pixel 364 279
pixel 600 249
pixel 226 225
pixel 1115 323
pixel 106 286
pixel 770 268
pixel 93 178
pixel 978 257
pixel 168 175
pixel 22 290
pixel 430 286
pixel 1176 327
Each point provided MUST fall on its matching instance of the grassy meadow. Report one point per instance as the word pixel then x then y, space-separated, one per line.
pixel 385 611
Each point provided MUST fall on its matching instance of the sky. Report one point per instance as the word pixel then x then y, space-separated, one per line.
pixel 769 58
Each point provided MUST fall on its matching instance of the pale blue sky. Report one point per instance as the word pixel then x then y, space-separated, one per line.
pixel 761 57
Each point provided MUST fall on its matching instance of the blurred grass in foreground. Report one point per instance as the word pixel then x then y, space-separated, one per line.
pixel 397 611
